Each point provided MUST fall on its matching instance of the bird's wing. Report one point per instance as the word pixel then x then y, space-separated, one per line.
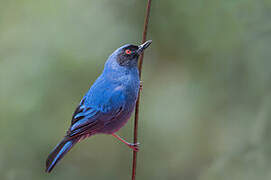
pixel 87 119
pixel 84 118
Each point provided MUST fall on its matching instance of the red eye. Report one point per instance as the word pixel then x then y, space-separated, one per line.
pixel 128 51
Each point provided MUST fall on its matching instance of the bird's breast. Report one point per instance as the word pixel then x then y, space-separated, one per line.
pixel 131 87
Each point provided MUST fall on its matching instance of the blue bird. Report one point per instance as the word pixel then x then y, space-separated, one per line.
pixel 107 105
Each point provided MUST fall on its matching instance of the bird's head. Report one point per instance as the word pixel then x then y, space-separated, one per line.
pixel 128 54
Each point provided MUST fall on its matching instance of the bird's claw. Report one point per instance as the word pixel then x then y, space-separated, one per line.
pixel 140 85
pixel 134 146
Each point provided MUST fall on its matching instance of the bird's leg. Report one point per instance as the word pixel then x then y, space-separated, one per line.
pixel 141 85
pixel 130 145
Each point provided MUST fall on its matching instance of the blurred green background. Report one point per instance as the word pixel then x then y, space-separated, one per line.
pixel 205 109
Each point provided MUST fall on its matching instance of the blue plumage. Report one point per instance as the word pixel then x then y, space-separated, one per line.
pixel 108 104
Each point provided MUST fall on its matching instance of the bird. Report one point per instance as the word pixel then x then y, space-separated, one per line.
pixel 107 105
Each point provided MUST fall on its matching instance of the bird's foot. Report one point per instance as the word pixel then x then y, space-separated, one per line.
pixel 141 85
pixel 133 146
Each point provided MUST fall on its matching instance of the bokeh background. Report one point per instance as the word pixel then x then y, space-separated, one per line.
pixel 205 109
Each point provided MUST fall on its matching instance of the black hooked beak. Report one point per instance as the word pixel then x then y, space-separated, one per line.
pixel 143 46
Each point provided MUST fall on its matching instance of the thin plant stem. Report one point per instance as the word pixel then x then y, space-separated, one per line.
pixel 144 35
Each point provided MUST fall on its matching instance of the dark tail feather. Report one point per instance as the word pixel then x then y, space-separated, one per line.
pixel 60 150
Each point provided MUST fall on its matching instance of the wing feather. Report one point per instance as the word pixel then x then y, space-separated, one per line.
pixel 88 119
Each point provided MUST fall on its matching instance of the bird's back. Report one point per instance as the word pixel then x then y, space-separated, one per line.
pixel 114 92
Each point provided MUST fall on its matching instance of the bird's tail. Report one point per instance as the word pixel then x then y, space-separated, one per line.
pixel 59 151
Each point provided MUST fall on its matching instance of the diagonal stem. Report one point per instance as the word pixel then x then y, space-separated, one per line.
pixel 147 16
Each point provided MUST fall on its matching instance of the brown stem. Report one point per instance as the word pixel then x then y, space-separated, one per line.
pixel 138 99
